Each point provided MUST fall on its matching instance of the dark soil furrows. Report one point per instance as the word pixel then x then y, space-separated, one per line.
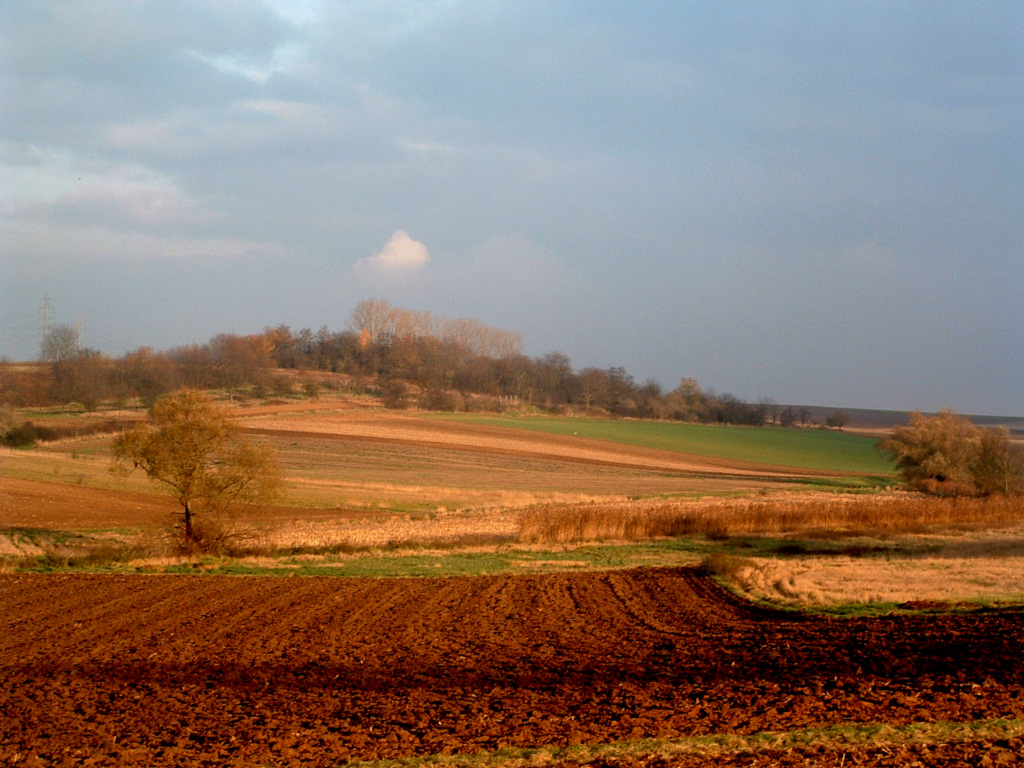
pixel 114 670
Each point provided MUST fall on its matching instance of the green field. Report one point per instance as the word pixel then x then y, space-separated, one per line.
pixel 822 449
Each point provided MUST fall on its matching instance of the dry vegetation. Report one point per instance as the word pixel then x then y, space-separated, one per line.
pixel 834 516
pixel 993 574
pixel 919 551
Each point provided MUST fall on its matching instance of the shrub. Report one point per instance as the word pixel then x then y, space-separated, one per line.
pixel 20 436
pixel 998 466
pixel 310 388
pixel 948 456
pixel 441 400
pixel 394 394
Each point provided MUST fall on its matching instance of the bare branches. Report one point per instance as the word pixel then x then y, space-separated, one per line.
pixel 191 446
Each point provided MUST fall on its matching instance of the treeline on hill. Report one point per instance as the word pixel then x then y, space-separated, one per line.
pixel 407 357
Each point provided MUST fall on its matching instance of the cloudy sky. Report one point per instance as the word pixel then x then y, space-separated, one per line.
pixel 820 203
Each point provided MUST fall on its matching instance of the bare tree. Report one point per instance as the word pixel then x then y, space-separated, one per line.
pixel 193 447
pixel 59 344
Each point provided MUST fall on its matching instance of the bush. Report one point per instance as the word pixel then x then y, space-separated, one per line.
pixel 395 394
pixel 21 435
pixel 26 434
pixel 441 400
pixel 947 455
pixel 998 466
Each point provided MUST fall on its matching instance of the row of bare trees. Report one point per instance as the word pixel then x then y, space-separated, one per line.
pixel 376 322
pixel 87 377
pixel 448 363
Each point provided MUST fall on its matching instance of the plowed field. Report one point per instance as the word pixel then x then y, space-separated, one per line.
pixel 161 670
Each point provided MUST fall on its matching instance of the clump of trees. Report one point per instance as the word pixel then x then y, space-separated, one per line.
pixel 192 446
pixel 409 357
pixel 946 454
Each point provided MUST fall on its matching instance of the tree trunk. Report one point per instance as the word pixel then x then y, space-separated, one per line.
pixel 188 522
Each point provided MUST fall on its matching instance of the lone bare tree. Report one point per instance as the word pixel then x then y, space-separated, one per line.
pixel 60 343
pixel 191 445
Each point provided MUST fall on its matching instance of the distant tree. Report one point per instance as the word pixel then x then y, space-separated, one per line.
pixel 947 455
pixel 729 409
pixel 651 400
pixel 788 417
pixel 553 378
pixel 238 360
pixel 372 319
pixel 837 420
pixel 60 343
pixel 998 465
pixel 192 446
pixel 688 402
pixel 622 392
pixel 593 388
pixel 144 374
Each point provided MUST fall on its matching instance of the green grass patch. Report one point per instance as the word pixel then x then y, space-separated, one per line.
pixel 820 449
pixel 376 564
pixel 505 560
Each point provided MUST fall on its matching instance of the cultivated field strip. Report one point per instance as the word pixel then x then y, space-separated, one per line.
pixel 160 670
pixel 479 439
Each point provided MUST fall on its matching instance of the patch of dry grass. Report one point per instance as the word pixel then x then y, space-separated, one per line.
pixel 444 530
pixel 823 515
pixel 837 581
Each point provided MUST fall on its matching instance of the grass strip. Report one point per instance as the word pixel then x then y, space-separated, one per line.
pixel 833 737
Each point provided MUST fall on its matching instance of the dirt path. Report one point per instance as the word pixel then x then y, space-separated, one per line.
pixel 112 670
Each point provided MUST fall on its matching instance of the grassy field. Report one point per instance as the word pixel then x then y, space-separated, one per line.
pixel 822 449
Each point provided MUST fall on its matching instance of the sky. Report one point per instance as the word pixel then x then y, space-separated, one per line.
pixel 813 202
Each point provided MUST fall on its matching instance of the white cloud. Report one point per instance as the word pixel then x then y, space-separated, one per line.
pixel 401 255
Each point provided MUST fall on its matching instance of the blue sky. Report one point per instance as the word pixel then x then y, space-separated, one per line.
pixel 819 203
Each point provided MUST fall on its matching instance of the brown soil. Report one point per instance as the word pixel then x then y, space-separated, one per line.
pixel 163 670
pixel 35 504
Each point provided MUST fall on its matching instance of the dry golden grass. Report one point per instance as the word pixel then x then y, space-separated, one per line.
pixel 793 514
pixel 445 529
pixel 844 580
